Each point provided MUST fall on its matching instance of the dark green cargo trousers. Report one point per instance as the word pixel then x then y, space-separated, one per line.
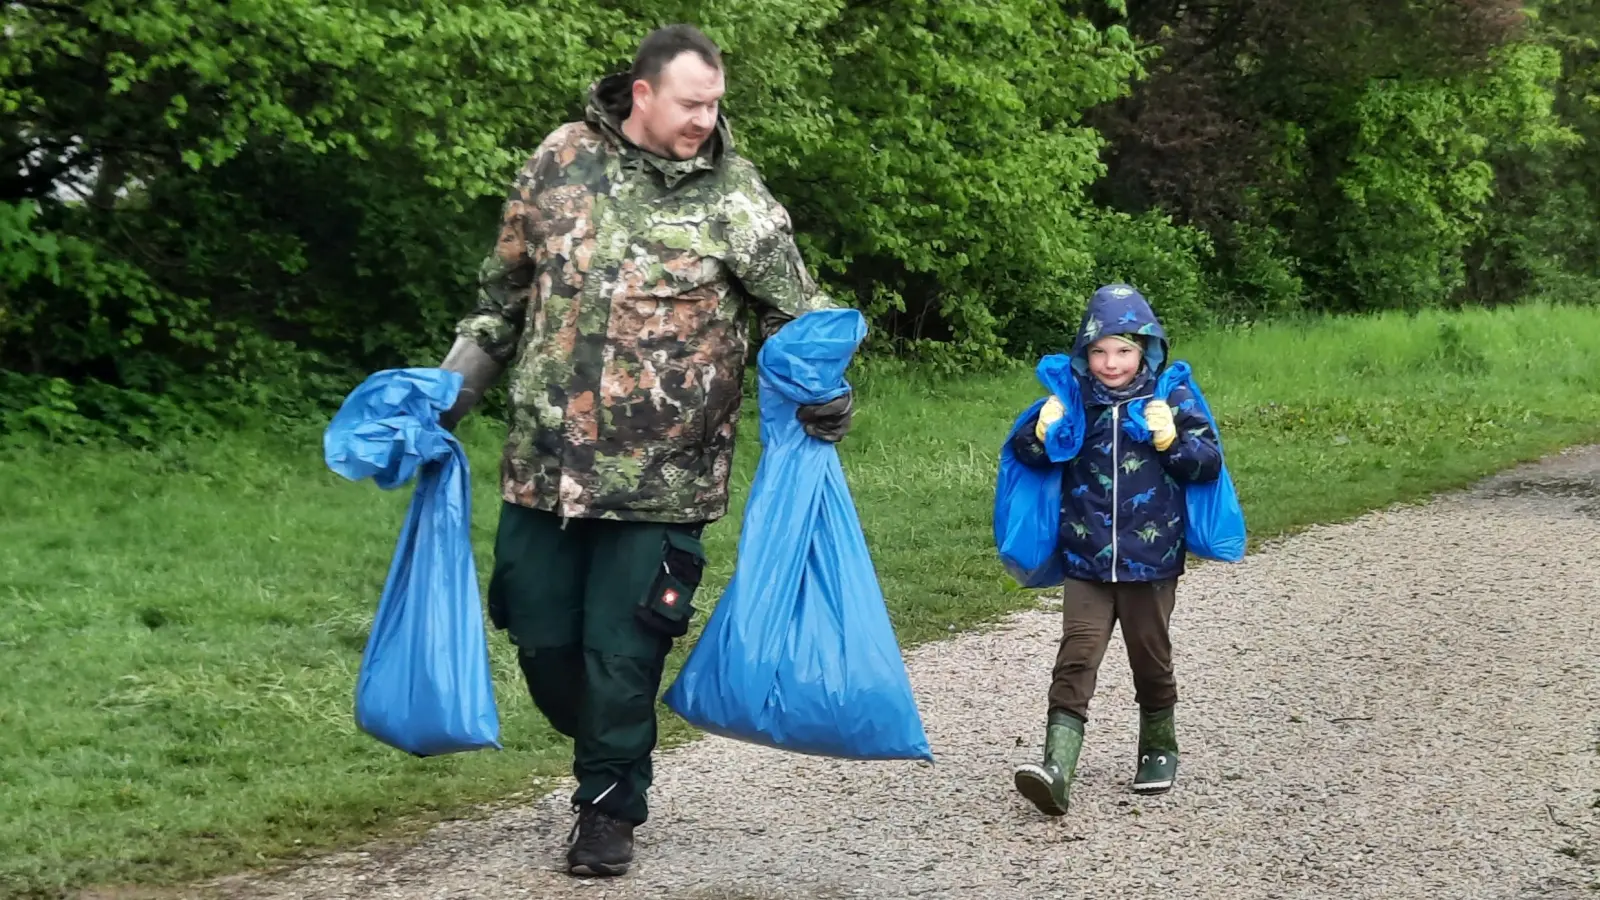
pixel 593 607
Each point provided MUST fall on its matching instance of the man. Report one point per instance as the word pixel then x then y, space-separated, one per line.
pixel 634 246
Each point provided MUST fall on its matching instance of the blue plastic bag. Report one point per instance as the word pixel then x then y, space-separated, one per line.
pixel 1027 500
pixel 424 685
pixel 799 653
pixel 1216 528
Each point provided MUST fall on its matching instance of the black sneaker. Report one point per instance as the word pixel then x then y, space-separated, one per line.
pixel 599 845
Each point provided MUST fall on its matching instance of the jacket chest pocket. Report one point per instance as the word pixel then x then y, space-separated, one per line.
pixel 682 254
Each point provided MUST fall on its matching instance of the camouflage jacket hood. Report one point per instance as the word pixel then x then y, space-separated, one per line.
pixel 618 294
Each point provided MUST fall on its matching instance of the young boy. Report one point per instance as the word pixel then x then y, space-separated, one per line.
pixel 1122 538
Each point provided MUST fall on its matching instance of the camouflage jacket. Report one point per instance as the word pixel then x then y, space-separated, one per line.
pixel 619 295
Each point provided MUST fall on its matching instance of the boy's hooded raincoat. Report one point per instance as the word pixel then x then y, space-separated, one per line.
pixel 1123 510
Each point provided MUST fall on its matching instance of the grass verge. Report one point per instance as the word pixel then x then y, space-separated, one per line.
pixel 183 627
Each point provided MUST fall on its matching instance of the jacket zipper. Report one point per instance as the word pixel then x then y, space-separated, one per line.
pixel 597 226
pixel 1116 476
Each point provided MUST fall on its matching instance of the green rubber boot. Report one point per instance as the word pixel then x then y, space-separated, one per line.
pixel 1158 752
pixel 1049 786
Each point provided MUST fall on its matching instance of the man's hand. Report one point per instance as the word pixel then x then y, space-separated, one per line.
pixel 1158 415
pixel 1048 415
pixel 828 421
pixel 478 371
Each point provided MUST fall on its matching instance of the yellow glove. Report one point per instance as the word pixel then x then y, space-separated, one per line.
pixel 1158 415
pixel 1048 414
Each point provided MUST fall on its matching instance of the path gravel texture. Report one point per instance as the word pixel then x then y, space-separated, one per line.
pixel 1405 706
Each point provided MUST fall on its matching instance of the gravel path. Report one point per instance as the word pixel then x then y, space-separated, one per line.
pixel 1404 706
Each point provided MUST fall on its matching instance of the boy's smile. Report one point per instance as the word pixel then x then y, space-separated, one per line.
pixel 1114 361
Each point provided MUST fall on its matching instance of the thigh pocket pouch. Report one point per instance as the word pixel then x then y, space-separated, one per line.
pixel 668 606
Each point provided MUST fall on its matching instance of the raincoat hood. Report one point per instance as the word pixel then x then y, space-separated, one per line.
pixel 1119 309
pixel 610 103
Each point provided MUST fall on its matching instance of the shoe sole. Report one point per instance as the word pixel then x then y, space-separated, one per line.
pixel 1033 783
pixel 597 870
pixel 1156 787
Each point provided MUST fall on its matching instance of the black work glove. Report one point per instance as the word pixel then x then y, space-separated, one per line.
pixel 828 421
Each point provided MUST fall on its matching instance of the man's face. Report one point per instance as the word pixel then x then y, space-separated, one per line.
pixel 677 116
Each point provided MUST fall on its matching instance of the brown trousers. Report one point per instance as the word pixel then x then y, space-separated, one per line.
pixel 1089 609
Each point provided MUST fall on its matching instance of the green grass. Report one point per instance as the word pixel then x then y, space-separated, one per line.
pixel 182 629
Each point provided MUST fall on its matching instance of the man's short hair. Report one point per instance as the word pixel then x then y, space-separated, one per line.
pixel 665 44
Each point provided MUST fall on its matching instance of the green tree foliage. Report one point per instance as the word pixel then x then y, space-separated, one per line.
pixel 1342 157
pixel 948 196
pixel 240 207
pixel 213 201
pixel 217 201
pixel 1418 179
pixel 1542 236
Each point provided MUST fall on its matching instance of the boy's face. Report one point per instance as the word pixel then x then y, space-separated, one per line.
pixel 1114 361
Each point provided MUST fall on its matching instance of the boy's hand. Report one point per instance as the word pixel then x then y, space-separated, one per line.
pixel 1158 415
pixel 1048 415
